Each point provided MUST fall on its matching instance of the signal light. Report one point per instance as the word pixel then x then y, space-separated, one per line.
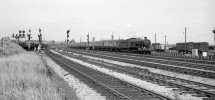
pixel 67 40
pixel 67 33
pixel 39 30
pixel 88 37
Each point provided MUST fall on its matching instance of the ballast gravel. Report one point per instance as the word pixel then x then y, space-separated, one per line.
pixel 169 92
pixel 82 91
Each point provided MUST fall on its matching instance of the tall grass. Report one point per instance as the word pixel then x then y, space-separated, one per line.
pixel 10 48
pixel 23 77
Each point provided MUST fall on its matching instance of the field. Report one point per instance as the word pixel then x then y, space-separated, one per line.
pixel 23 76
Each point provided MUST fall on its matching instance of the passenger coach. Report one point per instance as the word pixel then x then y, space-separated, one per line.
pixel 131 44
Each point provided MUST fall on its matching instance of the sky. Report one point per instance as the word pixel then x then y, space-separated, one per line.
pixel 102 18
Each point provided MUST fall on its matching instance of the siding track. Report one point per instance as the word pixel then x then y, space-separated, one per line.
pixel 111 87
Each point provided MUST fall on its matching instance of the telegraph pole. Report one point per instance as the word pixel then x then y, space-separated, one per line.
pixel 93 42
pixel 88 40
pixel 165 43
pixel 2 42
pixel 112 36
pixel 185 46
pixel 214 38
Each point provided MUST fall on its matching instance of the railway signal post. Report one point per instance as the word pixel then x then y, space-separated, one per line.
pixel 29 39
pixel 29 35
pixel 18 36
pixel 67 38
pixel 40 37
pixel 214 37
pixel 39 40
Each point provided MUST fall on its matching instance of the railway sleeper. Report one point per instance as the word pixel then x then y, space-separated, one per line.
pixel 154 80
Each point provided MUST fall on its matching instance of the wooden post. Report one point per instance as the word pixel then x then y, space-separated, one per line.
pixel 185 46
pixel 2 41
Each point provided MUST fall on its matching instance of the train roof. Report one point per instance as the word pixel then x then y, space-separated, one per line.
pixel 191 42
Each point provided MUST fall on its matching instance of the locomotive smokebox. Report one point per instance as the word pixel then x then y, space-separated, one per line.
pixel 146 42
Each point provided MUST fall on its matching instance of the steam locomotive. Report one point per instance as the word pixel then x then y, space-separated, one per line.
pixel 131 44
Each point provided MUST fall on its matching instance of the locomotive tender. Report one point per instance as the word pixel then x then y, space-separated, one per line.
pixel 131 44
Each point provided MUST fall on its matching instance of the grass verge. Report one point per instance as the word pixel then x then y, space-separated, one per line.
pixel 23 76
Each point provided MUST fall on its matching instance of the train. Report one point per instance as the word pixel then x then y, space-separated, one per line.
pixel 158 47
pixel 201 46
pixel 131 44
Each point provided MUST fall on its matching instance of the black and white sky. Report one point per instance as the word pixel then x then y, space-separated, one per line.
pixel 101 18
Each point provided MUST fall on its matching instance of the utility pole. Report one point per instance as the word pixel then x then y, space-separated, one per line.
pixel 2 42
pixel 214 38
pixel 165 43
pixel 155 38
pixel 88 40
pixel 185 46
pixel 93 42
pixel 112 36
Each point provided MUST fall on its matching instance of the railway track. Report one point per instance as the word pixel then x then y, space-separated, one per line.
pixel 185 86
pixel 180 56
pixel 114 88
pixel 170 62
pixel 177 58
pixel 173 68
pixel 173 58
